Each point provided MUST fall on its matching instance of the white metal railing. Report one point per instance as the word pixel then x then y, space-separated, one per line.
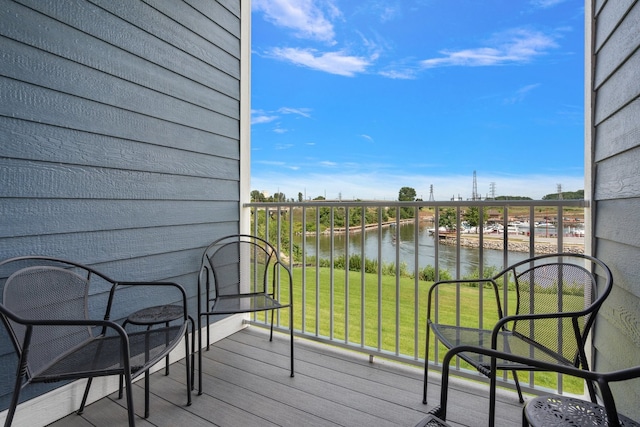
pixel 379 307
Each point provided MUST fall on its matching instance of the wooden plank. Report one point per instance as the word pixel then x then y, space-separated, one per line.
pixel 619 90
pixel 609 14
pixel 608 327
pixel 51 143
pixel 105 246
pixel 621 43
pixel 42 105
pixel 226 403
pixel 28 217
pixel 386 380
pixel 205 23
pixel 146 18
pixel 227 17
pixel 267 380
pixel 134 51
pixel 618 177
pixel 235 396
pixel 41 179
pixel 614 219
pixel 31 65
pixel 620 255
pixel 194 84
pixel 618 133
pixel 232 5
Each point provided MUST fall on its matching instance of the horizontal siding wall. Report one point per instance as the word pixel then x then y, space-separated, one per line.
pixel 119 136
pixel 616 85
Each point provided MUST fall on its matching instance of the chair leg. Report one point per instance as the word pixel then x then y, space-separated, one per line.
pixel 193 351
pixel 426 369
pixel 517 382
pixel 525 422
pixel 86 394
pixel 166 359
pixel 16 395
pixel 129 394
pixel 199 355
pixel 208 334
pixel 146 394
pixel 272 317
pixel 291 338
pixel 187 360
pixel 493 384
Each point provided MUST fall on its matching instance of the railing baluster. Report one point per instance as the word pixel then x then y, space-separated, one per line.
pixel 270 219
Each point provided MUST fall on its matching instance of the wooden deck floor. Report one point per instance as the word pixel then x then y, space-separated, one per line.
pixel 247 382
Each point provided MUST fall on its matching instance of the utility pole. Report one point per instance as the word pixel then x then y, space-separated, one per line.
pixel 474 194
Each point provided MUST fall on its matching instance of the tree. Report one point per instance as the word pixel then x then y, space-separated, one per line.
pixel 279 197
pixel 447 218
pixel 299 196
pixel 407 194
pixel 257 196
pixel 472 216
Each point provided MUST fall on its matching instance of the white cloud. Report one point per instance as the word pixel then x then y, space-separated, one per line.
pixel 516 46
pixel 330 62
pixel 521 93
pixel 546 3
pixel 304 17
pixel 304 112
pixel 258 117
pixel 367 137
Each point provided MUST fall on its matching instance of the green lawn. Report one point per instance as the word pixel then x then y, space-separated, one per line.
pixel 397 312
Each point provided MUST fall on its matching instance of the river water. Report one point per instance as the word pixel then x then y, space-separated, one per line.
pixel 469 257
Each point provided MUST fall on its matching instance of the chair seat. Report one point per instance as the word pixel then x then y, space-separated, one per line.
pixel 552 411
pixel 509 342
pixel 431 421
pixel 103 355
pixel 245 303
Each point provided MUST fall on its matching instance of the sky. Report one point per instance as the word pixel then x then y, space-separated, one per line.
pixel 355 99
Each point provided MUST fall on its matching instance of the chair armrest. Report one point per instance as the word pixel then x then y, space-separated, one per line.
pixel 276 283
pixel 31 323
pixel 503 322
pixel 177 286
pixel 601 378
pixel 446 283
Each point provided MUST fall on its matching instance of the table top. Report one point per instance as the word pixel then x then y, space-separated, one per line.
pixel 156 314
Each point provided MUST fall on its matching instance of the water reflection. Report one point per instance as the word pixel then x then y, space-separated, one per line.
pixel 405 247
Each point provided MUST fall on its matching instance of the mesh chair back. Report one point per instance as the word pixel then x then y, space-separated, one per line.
pixel 241 262
pixel 29 294
pixel 556 287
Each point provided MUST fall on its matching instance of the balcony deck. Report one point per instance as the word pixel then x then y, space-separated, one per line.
pixel 247 382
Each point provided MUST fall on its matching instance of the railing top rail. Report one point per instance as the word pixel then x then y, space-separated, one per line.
pixel 389 203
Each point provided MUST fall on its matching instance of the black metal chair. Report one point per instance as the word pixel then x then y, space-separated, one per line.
pixel 554 410
pixel 554 299
pixel 58 315
pixel 234 278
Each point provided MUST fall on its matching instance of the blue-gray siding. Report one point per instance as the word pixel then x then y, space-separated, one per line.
pixel 119 135
pixel 616 85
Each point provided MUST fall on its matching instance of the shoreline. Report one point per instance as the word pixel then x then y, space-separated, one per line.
pixel 518 243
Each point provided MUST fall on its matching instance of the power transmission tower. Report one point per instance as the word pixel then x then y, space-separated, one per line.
pixel 474 194
pixel 492 190
pixel 431 199
pixel 559 191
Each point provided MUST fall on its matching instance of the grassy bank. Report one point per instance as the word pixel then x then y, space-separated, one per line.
pixel 353 298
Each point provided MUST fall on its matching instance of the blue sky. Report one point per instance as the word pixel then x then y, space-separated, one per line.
pixel 356 99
